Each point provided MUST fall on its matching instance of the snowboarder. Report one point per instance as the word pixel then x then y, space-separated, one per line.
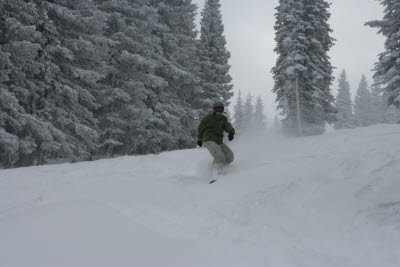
pixel 211 133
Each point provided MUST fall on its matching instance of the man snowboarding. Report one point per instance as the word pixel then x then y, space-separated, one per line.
pixel 211 133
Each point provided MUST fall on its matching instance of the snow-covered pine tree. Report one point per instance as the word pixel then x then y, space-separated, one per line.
pixel 11 112
pixel 320 69
pixel 377 104
pixel 24 84
pixel 303 72
pixel 238 112
pixel 179 44
pixel 11 127
pixel 386 69
pixel 344 105
pixel 117 99
pixel 213 58
pixel 392 115
pixel 248 113
pixel 80 62
pixel 148 115
pixel 125 118
pixel 259 116
pixel 290 47
pixel 362 104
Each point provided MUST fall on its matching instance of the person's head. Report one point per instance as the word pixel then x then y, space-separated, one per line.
pixel 218 108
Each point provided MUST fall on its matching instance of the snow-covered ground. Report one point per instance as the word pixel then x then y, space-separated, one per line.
pixel 330 200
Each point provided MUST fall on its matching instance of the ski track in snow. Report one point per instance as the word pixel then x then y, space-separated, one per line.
pixel 329 200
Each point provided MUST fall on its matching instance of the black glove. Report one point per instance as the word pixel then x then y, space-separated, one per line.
pixel 230 136
pixel 199 143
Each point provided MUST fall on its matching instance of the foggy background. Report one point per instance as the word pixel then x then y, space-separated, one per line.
pixel 249 31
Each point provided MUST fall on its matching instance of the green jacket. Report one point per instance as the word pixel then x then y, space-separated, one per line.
pixel 212 128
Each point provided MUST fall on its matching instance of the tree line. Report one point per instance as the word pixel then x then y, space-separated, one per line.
pixel 247 115
pixel 303 71
pixel 369 105
pixel 82 79
pixel 96 78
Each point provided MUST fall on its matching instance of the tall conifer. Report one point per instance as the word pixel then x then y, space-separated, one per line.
pixel 378 104
pixel 213 55
pixel 259 116
pixel 303 72
pixel 238 112
pixel 178 41
pixel 27 111
pixel 362 104
pixel 344 105
pixel 248 113
pixel 386 69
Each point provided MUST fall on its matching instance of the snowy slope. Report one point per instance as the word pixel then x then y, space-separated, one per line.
pixel 330 200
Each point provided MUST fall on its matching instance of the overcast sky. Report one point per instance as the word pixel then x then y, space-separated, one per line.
pixel 250 36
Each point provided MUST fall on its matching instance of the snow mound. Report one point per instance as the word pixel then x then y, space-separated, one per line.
pixel 329 200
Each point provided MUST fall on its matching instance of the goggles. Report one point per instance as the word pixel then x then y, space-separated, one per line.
pixel 219 109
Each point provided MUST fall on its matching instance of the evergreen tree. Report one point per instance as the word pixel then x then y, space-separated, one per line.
pixel 259 116
pixel 122 98
pixel 142 120
pixel 290 47
pixel 344 105
pixel 392 115
pixel 238 112
pixel 84 78
pixel 248 113
pixel 11 124
pixel 320 68
pixel 178 41
pixel 387 70
pixel 28 132
pixel 82 64
pixel 303 72
pixel 377 105
pixel 12 114
pixel 213 58
pixel 362 104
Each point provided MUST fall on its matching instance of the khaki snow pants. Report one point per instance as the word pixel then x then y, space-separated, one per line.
pixel 222 154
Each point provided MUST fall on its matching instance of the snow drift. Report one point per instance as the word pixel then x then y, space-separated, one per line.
pixel 329 200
